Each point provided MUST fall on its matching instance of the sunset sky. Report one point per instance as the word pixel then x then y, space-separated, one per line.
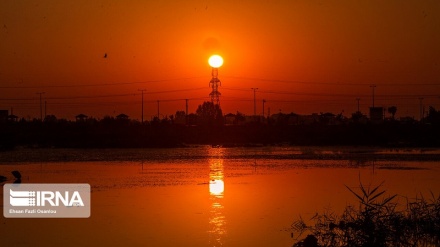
pixel 303 56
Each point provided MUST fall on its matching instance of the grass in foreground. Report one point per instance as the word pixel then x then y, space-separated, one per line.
pixel 377 221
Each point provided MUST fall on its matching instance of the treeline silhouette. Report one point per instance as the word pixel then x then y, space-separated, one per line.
pixel 209 126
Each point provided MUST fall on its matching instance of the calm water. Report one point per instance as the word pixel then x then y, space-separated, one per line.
pixel 205 196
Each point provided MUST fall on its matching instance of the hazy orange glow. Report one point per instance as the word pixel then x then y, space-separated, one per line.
pixel 92 57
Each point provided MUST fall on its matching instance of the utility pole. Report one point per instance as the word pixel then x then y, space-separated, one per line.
pixel 186 111
pixel 264 101
pixel 45 109
pixel 158 110
pixel 255 102
pixel 41 105
pixel 358 99
pixel 373 87
pixel 421 109
pixel 142 92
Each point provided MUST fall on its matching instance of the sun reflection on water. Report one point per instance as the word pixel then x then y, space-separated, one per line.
pixel 216 187
pixel 217 220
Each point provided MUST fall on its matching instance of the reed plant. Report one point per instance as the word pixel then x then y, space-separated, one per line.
pixel 377 220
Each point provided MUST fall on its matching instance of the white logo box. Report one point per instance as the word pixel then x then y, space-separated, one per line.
pixel 46 200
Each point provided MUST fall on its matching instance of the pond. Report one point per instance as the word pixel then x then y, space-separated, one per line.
pixel 205 196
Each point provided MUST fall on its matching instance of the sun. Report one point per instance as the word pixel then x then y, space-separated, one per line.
pixel 215 61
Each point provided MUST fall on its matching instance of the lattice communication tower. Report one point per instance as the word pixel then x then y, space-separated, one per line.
pixel 214 83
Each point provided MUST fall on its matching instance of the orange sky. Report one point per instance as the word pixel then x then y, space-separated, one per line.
pixel 304 56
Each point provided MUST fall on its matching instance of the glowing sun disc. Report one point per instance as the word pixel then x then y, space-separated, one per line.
pixel 215 61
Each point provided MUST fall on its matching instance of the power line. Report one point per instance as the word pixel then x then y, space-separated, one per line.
pixel 310 98
pixel 59 85
pixel 108 95
pixel 227 98
pixel 330 83
pixel 100 84
pixel 381 97
pixel 332 94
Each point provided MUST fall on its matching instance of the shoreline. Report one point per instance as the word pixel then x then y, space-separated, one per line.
pixel 355 154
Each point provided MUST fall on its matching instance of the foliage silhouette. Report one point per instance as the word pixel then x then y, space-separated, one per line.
pixel 209 114
pixel 377 221
pixel 433 116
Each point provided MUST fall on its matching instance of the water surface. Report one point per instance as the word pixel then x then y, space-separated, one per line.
pixel 203 196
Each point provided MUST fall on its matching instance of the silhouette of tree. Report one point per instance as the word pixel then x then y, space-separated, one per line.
pixel 433 116
pixel 325 118
pixel 167 120
pixel 179 114
pixel 50 119
pixel 108 120
pixel 192 119
pixel 180 117
pixel 356 117
pixel 281 119
pixel 155 121
pixel 239 118
pixel 392 110
pixel 209 113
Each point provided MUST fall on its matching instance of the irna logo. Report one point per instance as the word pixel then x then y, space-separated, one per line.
pixel 46 200
pixel 43 198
